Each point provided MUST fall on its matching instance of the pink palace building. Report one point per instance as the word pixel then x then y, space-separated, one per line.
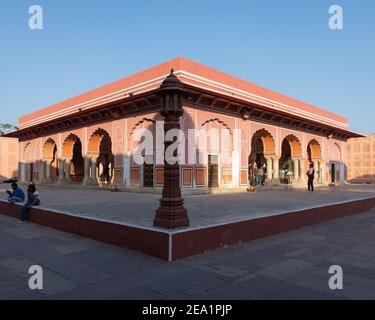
pixel 89 139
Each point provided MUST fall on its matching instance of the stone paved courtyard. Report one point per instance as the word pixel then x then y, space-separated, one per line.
pixel 293 265
pixel 204 210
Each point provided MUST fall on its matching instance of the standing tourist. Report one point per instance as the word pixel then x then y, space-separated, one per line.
pixel 310 178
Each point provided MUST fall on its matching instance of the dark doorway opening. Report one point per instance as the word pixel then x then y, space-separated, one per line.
pixel 333 173
pixel 148 175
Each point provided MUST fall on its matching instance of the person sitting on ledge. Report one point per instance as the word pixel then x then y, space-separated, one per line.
pixel 32 200
pixel 16 195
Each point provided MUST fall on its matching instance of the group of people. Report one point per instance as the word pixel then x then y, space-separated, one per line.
pixel 17 195
pixel 260 173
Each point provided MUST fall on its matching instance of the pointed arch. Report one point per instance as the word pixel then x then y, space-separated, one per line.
pixel 49 149
pixel 294 144
pixel 267 141
pixel 336 152
pixel 221 122
pixel 100 147
pixel 28 152
pixel 314 150
pixel 138 125
pixel 68 145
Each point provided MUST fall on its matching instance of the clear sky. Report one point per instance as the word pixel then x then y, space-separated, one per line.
pixel 282 45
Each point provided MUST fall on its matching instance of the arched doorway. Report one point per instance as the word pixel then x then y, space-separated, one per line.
pixel 262 149
pixel 336 166
pixel 314 151
pixel 72 160
pixel 143 149
pixel 314 156
pixel 290 160
pixel 28 163
pixel 100 150
pixel 50 161
pixel 215 142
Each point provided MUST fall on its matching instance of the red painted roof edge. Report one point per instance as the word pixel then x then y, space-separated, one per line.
pixel 190 66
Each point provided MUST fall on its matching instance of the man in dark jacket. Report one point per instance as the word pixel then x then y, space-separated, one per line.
pixel 310 175
pixel 16 195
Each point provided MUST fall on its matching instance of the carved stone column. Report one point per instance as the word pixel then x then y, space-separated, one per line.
pixel 94 176
pixel 302 173
pixel 296 171
pixel 171 213
pixel 323 168
pixel 269 169
pixel 42 176
pixel 61 171
pixel 276 177
pixel 87 167
pixel 68 177
pixel 316 168
pixel 48 171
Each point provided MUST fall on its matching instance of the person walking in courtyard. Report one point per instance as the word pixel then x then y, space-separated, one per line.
pixel 310 178
pixel 32 200
pixel 16 195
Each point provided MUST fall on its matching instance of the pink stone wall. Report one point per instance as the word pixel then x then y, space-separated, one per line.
pixel 361 159
pixel 8 158
pixel 232 174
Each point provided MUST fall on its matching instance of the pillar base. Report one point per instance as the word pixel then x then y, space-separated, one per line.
pixel 46 180
pixel 89 183
pixel 61 181
pixel 86 182
pixel 171 214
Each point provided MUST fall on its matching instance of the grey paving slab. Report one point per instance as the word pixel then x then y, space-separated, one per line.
pixel 185 281
pixel 138 294
pixel 204 210
pixel 292 265
pixel 112 262
pixel 285 269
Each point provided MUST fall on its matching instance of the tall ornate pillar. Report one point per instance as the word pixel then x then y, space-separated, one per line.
pixel 171 213
pixel 48 171
pixel 87 167
pixel 94 176
pixel 127 169
pixel 323 170
pixel 61 171
pixel 316 168
pixel 23 171
pixel 42 175
pixel 296 171
pixel 302 172
pixel 68 177
pixel 276 177
pixel 269 169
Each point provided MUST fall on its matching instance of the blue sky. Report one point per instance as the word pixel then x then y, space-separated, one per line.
pixel 282 45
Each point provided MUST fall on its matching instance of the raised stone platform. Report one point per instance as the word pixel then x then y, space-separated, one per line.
pixel 125 219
